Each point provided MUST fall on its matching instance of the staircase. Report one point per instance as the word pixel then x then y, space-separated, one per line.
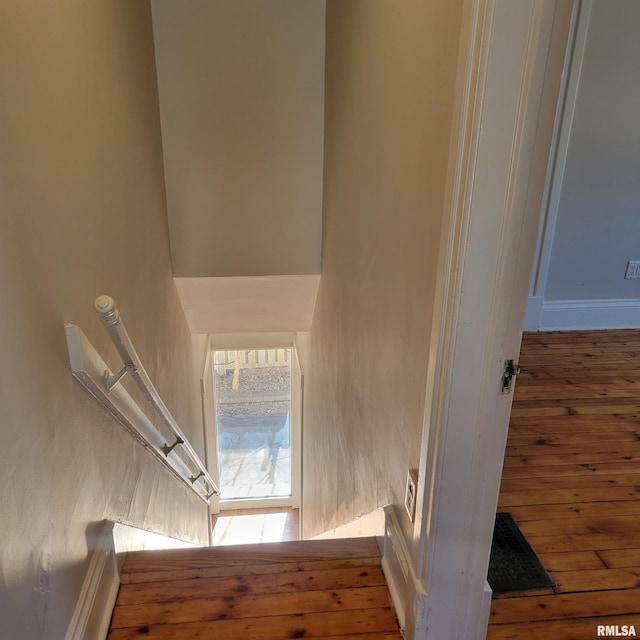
pixel 305 589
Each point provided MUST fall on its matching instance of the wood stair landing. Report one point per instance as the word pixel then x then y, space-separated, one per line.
pixel 306 589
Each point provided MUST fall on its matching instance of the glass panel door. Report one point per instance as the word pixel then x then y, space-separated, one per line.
pixel 253 423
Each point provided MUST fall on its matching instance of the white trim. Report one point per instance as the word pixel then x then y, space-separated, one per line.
pixel 302 346
pixel 296 431
pixel 92 615
pixel 557 161
pixel 206 357
pixel 206 385
pixel 566 315
pixel 500 147
pixel 463 143
pixel 210 440
pixel 397 566
pixel 472 64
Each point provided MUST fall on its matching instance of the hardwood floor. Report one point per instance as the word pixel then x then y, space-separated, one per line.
pixel 571 480
pixel 312 589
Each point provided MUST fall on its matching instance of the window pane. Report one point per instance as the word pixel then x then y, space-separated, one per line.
pixel 253 410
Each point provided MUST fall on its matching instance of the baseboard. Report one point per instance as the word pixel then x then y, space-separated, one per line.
pixel 97 599
pixel 566 315
pixel 407 594
pixel 92 615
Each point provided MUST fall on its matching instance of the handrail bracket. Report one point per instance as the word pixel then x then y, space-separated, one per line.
pixel 194 478
pixel 112 381
pixel 166 449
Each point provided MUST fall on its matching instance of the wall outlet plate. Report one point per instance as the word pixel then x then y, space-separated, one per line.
pixel 410 493
pixel 633 269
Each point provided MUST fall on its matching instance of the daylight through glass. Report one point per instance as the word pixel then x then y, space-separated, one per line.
pixel 253 422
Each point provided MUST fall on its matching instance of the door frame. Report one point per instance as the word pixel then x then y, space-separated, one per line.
pixel 510 64
pixel 557 164
pixel 209 419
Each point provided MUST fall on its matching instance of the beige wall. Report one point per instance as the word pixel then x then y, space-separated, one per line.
pixel 241 98
pixel 390 71
pixel 82 212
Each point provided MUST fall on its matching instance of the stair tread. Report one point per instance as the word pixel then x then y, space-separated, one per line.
pixel 312 588
pixel 288 584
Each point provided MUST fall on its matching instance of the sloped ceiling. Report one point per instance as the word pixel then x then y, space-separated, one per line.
pixel 241 87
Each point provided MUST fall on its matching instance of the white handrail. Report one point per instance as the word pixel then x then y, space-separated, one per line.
pixel 106 309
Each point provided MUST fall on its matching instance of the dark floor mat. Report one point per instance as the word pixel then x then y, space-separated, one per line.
pixel 513 565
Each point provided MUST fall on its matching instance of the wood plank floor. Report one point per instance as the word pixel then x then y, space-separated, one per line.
pixel 571 480
pixel 312 589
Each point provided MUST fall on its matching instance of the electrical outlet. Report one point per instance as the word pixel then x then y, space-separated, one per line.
pixel 633 269
pixel 410 493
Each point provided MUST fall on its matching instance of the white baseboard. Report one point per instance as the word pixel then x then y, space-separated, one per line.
pixel 92 615
pixel 395 565
pixel 566 315
pixel 93 610
pixel 407 593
